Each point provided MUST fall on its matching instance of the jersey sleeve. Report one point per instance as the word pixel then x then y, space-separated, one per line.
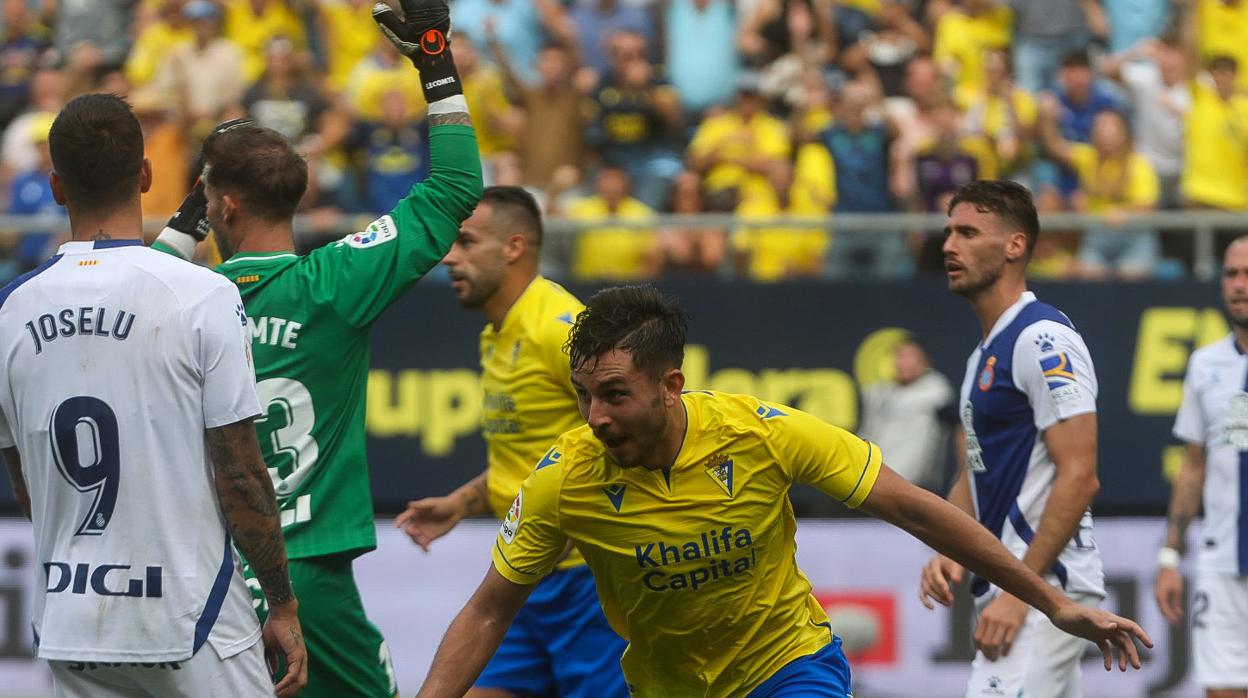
pixel 814 452
pixel 529 541
pixel 553 334
pixel 1190 422
pixel 363 273
pixel 1053 367
pixel 223 352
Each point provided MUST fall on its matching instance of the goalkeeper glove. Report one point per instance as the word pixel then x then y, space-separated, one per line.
pixel 423 35
pixel 191 219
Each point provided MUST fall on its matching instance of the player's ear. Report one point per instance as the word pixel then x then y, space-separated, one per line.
pixel 145 176
pixel 58 189
pixel 1016 247
pixel 514 247
pixel 673 383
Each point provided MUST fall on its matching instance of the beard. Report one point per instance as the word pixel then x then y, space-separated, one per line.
pixel 224 248
pixel 972 285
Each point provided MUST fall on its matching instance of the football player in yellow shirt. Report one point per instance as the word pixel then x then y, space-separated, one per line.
pixel 677 500
pixel 560 642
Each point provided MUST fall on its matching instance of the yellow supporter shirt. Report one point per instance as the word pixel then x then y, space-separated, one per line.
pixel 611 253
pixel 153 46
pixel 252 32
pixel 487 102
pixel 1222 29
pixel 351 34
pixel 371 83
pixel 694 564
pixel 962 40
pixel 731 137
pixel 527 384
pixel 1215 163
pixel 1100 180
pixel 778 253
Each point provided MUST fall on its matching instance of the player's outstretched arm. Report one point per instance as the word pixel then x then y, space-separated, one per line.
pixel 13 461
pixel 426 520
pixel 245 493
pixel 1184 507
pixel 473 636
pixel 955 534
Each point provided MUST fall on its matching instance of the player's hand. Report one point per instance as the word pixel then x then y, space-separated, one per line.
pixel 426 520
pixel 1169 593
pixel 936 583
pixel 999 624
pixel 424 36
pixel 192 216
pixel 283 638
pixel 1106 630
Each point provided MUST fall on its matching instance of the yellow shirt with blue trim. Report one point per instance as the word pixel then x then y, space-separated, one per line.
pixel 527 383
pixel 694 564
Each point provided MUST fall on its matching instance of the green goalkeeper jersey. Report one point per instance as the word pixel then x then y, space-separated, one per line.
pixel 310 317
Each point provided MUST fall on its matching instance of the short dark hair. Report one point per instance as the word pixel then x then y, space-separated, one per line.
pixel 1224 61
pixel 637 319
pixel 519 205
pixel 97 151
pixel 1076 58
pixel 259 166
pixel 1007 200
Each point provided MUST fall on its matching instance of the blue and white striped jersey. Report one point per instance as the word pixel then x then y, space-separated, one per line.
pixel 1032 371
pixel 1214 414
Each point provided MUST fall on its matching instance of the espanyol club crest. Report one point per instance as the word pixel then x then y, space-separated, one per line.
pixel 988 374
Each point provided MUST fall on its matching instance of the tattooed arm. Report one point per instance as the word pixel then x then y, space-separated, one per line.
pixel 245 493
pixel 428 519
pixel 1184 506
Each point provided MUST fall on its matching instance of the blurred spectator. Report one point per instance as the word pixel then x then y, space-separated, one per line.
pixel 350 34
pixel 611 253
pixel 810 45
pixel 99 24
pixel 1114 180
pixel 701 51
pixel 597 20
pixel 24 40
pixel 1045 32
pixel 395 153
pixel 18 152
pixel 886 48
pixel 165 146
pixel 947 161
pixel 1004 114
pixel 30 194
pixel 735 150
pixel 383 71
pixel 912 416
pixel 493 117
pixel 253 24
pixel 1080 99
pixel 1155 75
pixel 157 39
pixel 204 78
pixel 777 253
pixel 965 34
pixel 859 144
pixel 813 112
pixel 1221 29
pixel 1215 164
pixel 632 118
pixel 519 27
pixel 766 30
pixel 552 106
pixel 1133 21
pixel 697 251
pixel 912 114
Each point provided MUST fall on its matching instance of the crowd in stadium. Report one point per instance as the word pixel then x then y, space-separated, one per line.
pixel 629 108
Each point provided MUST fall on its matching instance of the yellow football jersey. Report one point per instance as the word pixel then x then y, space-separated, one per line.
pixel 694 564
pixel 527 382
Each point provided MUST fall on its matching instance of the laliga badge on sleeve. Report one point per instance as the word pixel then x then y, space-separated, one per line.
pixel 512 523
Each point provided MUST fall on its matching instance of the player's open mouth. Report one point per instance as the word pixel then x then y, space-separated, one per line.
pixel 613 442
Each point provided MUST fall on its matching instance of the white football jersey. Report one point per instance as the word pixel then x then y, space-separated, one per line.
pixel 118 358
pixel 1032 371
pixel 1214 414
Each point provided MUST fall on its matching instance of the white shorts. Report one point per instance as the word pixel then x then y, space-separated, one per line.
pixel 205 675
pixel 1219 614
pixel 1043 661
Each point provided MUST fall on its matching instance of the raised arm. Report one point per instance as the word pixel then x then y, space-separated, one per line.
pixel 245 493
pixel 1050 136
